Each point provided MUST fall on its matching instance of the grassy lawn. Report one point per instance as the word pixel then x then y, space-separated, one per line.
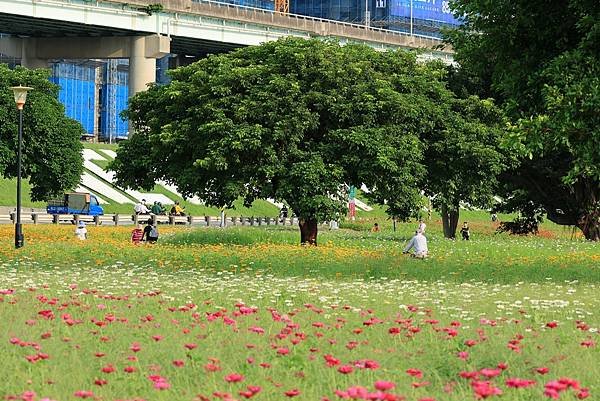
pixel 213 314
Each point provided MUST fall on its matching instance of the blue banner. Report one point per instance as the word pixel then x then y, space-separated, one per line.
pixel 431 10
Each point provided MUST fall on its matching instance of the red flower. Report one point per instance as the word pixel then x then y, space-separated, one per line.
pixel 415 373
pixel 292 393
pixel 543 370
pixel 552 325
pixel 345 369
pixel 190 346
pixel 178 363
pixel 108 368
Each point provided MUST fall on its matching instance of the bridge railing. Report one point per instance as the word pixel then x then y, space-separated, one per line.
pixel 212 3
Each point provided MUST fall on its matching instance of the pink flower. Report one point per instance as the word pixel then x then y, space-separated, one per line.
pixel 190 346
pixel 162 385
pixel 135 347
pixel 519 383
pixel 178 363
pixel 415 373
pixel 234 378
pixel 282 351
pixel 484 389
pixel 257 330
pixel 382 385
pixel 83 394
pixel 463 355
pixel 489 373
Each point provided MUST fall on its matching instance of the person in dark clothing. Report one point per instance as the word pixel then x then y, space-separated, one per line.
pixel 466 234
pixel 150 233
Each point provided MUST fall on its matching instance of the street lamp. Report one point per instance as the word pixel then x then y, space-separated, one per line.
pixel 20 98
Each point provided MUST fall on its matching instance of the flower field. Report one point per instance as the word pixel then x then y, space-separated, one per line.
pixel 234 315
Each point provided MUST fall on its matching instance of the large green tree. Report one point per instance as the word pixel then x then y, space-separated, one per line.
pixel 464 158
pixel 292 120
pixel 541 61
pixel 51 141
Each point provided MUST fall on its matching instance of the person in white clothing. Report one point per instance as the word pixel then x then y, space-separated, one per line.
pixel 81 231
pixel 140 208
pixel 419 243
pixel 422 226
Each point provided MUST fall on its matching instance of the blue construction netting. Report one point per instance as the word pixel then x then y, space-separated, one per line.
pixel 114 96
pixel 77 91
pixel 429 17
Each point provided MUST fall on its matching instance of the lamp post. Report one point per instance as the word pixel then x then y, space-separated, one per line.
pixel 20 98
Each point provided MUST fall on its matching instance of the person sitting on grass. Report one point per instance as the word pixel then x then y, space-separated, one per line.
pixel 81 231
pixel 466 234
pixel 375 228
pixel 150 232
pixel 419 243
pixel 137 234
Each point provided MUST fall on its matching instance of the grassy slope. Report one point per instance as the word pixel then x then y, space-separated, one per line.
pixel 8 194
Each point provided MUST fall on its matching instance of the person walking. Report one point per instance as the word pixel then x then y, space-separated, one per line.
pixel 419 243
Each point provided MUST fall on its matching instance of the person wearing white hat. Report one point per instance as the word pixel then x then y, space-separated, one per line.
pixel 81 231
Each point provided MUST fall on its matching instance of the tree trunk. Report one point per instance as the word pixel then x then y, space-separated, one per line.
pixel 590 225
pixel 308 232
pixel 450 221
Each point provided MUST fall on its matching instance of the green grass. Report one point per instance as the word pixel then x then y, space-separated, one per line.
pixel 87 306
pixel 8 194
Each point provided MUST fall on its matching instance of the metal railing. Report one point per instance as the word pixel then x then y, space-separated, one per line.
pixel 127 219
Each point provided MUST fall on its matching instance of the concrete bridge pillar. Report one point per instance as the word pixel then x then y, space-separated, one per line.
pixel 143 52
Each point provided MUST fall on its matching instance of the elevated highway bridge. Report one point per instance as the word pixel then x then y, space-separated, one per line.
pixel 144 30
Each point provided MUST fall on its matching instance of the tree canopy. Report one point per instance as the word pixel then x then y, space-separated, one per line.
pixel 541 61
pixel 51 156
pixel 293 120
